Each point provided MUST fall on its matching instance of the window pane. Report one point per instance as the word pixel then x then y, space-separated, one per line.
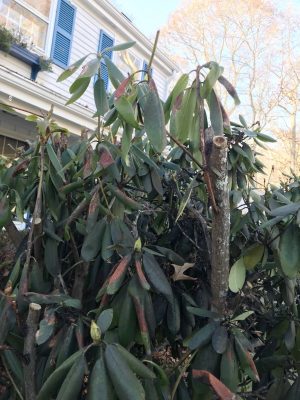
pixel 20 21
pixel 42 6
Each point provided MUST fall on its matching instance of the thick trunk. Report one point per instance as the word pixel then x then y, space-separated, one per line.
pixel 220 224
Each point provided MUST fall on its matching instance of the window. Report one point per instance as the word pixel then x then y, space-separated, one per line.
pixel 127 62
pixel 27 19
pixel 63 33
pixel 104 42
pixel 9 146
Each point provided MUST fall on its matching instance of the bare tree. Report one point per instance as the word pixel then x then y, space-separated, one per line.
pixel 255 41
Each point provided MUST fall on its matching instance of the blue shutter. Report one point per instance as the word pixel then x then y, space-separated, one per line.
pixel 104 42
pixel 145 67
pixel 63 31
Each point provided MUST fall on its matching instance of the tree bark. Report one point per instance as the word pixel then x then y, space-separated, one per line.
pixel 220 224
pixel 29 351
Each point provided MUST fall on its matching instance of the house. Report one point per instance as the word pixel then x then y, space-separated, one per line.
pixel 64 31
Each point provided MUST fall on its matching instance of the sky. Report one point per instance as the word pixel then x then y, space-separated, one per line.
pixel 147 15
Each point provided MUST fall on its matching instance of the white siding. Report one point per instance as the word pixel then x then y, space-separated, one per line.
pixel 86 40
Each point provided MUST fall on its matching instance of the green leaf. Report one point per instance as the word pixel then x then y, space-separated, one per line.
pixel 119 47
pixel 135 365
pixel 51 257
pixel 237 276
pixel 253 255
pixel 71 386
pixel 93 241
pixel 156 276
pixel 229 373
pixel 100 383
pixel 55 161
pixel 78 88
pixel 265 138
pixel 289 251
pixel 179 87
pixel 100 97
pixel 127 326
pixel 201 312
pixel 243 316
pixel 126 111
pixel 71 69
pixel 286 210
pixel 105 319
pixel 154 119
pixel 184 116
pixel 184 201
pixel 90 69
pixel 125 383
pixel 201 337
pixel 55 380
pixel 220 339
pixel 115 75
pixel 211 79
pixel 216 118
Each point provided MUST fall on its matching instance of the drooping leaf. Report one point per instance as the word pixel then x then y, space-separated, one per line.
pixel 289 209
pixel 125 383
pixel 115 75
pixel 135 365
pixel 79 89
pixel 220 339
pixel 229 369
pixel 211 78
pixel 230 89
pixel 55 161
pixel 126 111
pixel 154 119
pixel 100 97
pixel 99 382
pixel 93 241
pixel 216 117
pixel 55 380
pixel 71 386
pixel 156 276
pixel 116 279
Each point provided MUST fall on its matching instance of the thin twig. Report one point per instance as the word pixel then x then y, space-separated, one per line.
pixel 81 206
pixel 182 146
pixel 153 52
pixel 24 282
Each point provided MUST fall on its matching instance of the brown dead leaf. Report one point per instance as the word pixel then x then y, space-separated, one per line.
pixel 180 270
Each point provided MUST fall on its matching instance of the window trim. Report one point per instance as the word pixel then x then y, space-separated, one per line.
pixel 37 14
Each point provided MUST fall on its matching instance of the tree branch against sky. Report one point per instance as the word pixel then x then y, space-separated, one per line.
pixel 256 42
